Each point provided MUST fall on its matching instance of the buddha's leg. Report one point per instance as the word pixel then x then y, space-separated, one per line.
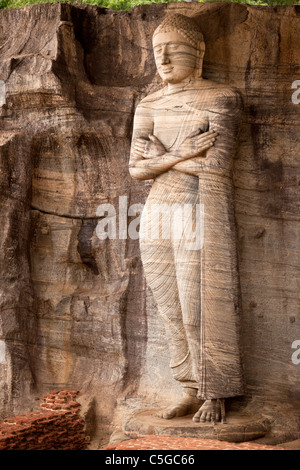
pixel 187 265
pixel 158 262
pixel 187 259
pixel 220 362
pixel 171 195
pixel 220 366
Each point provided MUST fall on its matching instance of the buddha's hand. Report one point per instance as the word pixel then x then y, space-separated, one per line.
pixel 197 143
pixel 148 148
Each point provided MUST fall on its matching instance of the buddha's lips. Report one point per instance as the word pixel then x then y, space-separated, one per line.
pixel 167 69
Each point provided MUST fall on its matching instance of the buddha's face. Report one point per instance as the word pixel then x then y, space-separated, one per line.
pixel 175 58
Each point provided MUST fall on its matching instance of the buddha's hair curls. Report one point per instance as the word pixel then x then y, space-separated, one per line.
pixel 184 25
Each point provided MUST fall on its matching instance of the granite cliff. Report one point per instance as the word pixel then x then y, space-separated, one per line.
pixel 75 310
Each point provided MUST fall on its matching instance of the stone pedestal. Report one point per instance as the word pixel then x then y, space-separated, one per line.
pixel 239 428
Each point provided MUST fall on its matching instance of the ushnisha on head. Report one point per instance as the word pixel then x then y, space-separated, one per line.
pixel 178 49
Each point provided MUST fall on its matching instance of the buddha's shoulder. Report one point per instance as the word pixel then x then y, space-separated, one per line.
pixel 221 94
pixel 152 97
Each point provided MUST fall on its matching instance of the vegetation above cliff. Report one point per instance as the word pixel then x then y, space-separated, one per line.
pixel 128 4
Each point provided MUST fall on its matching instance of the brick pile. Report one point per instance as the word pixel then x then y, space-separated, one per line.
pixel 185 443
pixel 57 426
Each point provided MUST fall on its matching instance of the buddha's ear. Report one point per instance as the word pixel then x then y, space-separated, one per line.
pixel 201 48
pixel 200 55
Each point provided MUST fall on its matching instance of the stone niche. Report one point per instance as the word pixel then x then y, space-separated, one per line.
pixel 75 310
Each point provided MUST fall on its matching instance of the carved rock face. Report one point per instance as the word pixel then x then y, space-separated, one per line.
pixel 75 311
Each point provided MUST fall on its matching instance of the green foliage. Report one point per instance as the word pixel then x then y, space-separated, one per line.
pixel 124 4
pixel 128 4
pixel 113 4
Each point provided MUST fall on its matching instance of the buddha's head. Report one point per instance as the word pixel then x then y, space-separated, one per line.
pixel 178 49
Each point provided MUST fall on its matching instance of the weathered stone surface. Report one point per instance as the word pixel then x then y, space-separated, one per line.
pixel 75 311
pixel 239 427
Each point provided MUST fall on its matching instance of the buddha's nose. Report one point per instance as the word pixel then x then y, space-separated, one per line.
pixel 165 58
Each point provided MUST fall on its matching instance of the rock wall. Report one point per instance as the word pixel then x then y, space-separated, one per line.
pixel 75 310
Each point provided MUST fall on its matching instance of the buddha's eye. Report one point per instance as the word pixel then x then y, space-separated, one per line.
pixel 158 50
pixel 173 47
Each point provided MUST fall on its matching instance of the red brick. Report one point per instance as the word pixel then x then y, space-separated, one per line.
pixel 181 443
pixel 51 428
pixel 56 407
pixel 44 405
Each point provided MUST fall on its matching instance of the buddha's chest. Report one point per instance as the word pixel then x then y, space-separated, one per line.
pixel 176 117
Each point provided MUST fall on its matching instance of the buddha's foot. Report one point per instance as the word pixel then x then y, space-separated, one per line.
pixel 210 411
pixel 182 407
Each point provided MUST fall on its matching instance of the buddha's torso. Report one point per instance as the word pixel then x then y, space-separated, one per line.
pixel 177 115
